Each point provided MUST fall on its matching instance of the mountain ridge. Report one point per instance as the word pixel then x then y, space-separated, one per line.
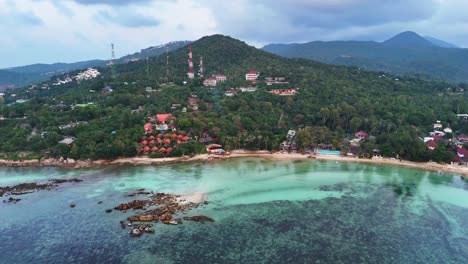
pixel 407 54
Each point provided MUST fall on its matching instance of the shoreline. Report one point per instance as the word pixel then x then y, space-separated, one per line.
pixel 277 156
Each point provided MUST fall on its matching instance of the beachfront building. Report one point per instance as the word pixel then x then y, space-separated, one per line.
pixel 163 121
pixel 431 144
pixel 252 76
pixel 462 156
pixel 361 135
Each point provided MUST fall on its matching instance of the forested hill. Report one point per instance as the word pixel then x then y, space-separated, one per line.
pixel 404 54
pixel 332 102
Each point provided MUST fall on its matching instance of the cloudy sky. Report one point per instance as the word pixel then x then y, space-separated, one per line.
pixel 48 31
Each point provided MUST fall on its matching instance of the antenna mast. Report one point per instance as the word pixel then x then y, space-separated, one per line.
pixel 112 63
pixel 191 73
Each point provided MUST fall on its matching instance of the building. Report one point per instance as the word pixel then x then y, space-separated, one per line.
pixel 230 93
pixel 291 134
pixel 361 135
pixel 448 130
pixel 463 138
pixel 210 82
pixel 252 76
pixel 431 144
pixel 462 116
pixel 437 133
pixel 284 92
pixel 248 89
pixel 462 156
pixel 437 125
pixel 220 77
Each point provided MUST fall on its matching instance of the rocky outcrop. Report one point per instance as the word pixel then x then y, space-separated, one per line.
pixel 25 188
pixel 164 208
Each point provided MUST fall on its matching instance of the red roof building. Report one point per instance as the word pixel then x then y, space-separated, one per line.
pixel 148 128
pixel 463 138
pixel 144 142
pixel 154 149
pixel 361 135
pixel 146 149
pixel 185 138
pixel 167 141
pixel 163 117
pixel 252 76
pixel 431 144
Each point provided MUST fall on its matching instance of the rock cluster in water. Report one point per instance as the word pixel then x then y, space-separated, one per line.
pixel 163 207
pixel 25 188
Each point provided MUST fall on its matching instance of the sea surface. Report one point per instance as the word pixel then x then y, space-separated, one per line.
pixel 265 211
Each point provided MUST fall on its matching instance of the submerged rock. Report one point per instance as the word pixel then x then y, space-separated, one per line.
pixel 199 218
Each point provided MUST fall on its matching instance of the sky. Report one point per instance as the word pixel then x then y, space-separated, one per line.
pixel 48 31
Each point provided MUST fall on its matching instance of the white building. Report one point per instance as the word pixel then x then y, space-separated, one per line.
pixel 211 82
pixel 220 77
pixel 437 125
pixel 252 76
pixel 248 89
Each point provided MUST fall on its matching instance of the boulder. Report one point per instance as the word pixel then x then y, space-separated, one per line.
pixel 135 232
pixel 199 218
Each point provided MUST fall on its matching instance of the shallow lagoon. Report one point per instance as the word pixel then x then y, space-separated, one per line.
pixel 265 212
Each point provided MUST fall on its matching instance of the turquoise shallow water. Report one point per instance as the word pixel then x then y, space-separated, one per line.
pixel 265 212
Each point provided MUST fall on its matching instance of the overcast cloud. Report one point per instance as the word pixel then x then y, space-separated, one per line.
pixel 49 31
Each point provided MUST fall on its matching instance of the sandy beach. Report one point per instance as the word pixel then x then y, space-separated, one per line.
pixel 146 161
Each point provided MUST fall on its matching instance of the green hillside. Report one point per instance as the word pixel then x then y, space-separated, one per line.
pixel 332 103
pixel 405 54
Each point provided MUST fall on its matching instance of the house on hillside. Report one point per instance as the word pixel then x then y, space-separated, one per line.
pixel 361 135
pixel 248 89
pixel 210 82
pixel 107 89
pixel 284 92
pixel 67 140
pixel 229 93
pixel 252 76
pixel 462 116
pixel 219 77
pixel 437 125
pixel 291 134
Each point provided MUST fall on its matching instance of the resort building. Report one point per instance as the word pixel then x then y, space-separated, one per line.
pixel 431 144
pixel 361 135
pixel 437 125
pixel 252 76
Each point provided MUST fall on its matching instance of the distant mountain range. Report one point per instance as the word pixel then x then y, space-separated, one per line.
pixel 406 53
pixel 29 74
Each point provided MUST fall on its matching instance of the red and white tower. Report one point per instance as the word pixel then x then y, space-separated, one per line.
pixel 191 72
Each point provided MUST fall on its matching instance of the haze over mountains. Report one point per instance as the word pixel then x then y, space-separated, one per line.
pixel 24 75
pixel 406 53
